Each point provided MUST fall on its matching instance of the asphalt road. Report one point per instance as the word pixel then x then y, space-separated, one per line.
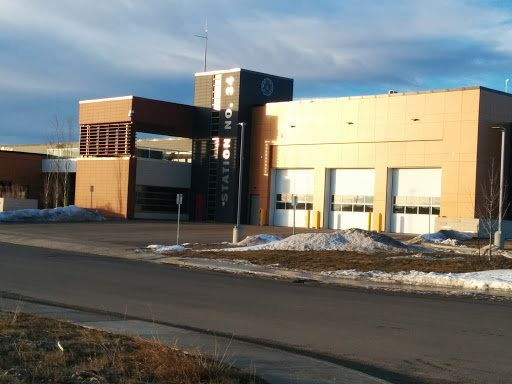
pixel 399 337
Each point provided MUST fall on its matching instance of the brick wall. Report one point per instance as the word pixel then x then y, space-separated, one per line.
pixel 23 169
pixel 113 187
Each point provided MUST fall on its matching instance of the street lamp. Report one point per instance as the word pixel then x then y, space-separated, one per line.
pixel 506 85
pixel 498 240
pixel 237 230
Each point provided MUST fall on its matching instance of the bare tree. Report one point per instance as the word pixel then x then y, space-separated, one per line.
pixel 47 186
pixel 56 180
pixel 487 209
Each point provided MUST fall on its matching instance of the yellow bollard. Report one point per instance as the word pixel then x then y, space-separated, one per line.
pixel 379 223
pixel 369 221
pixel 317 224
pixel 262 215
pixel 308 220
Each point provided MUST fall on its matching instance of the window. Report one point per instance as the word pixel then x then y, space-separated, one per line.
pixel 304 201
pixel 159 199
pixel 351 203
pixel 417 205
pixel 8 189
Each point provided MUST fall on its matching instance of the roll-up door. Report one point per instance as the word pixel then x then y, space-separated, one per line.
pixel 350 198
pixel 290 182
pixel 415 200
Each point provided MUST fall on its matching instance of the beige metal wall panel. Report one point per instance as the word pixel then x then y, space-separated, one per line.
pixel 113 110
pixel 438 129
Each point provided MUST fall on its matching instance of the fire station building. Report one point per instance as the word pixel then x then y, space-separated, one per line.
pixel 399 162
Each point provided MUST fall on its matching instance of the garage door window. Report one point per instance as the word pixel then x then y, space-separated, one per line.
pixel 351 203
pixel 304 201
pixel 416 205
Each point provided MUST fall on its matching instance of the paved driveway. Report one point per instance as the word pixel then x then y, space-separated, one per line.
pixel 136 233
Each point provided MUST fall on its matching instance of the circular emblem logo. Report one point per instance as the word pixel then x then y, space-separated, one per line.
pixel 267 86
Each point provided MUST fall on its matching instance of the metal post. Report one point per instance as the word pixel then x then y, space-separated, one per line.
pixel 92 190
pixel 294 204
pixel 205 45
pixel 429 215
pixel 205 37
pixel 179 200
pixel 237 230
pixel 499 241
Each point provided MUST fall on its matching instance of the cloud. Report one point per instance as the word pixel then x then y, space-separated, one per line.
pixel 81 49
pixel 348 41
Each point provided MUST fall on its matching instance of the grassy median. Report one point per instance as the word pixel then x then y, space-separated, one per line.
pixel 34 349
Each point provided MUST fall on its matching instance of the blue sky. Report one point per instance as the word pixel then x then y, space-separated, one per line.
pixel 54 53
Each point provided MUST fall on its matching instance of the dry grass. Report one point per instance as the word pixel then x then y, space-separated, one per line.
pixel 317 261
pixel 30 353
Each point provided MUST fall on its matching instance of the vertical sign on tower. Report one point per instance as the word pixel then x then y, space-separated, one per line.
pixel 226 171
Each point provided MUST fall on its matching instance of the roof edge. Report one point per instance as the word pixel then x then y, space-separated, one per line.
pixel 105 99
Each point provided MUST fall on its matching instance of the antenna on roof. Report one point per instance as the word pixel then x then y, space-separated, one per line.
pixel 205 37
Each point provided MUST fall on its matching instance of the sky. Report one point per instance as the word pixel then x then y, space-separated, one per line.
pixel 54 53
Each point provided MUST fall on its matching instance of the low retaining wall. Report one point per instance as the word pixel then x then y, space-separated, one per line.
pixel 471 226
pixel 14 204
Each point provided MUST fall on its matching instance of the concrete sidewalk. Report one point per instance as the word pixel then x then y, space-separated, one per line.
pixel 275 366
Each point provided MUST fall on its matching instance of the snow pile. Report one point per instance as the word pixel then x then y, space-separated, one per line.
pixel 443 237
pixel 352 239
pixel 250 241
pixel 484 281
pixel 452 234
pixel 425 257
pixel 166 248
pixel 69 213
pixel 495 251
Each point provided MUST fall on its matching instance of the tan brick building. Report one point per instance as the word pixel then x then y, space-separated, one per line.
pixel 399 162
pixel 415 156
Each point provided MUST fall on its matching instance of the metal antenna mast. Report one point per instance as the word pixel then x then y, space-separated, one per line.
pixel 205 37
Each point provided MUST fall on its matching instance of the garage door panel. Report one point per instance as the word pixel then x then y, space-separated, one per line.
pixel 285 219
pixel 288 183
pixel 350 198
pixel 415 199
pixel 345 220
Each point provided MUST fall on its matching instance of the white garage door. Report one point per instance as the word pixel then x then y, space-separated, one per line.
pixel 415 200
pixel 351 198
pixel 289 182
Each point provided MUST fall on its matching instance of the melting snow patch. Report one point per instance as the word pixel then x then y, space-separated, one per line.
pixel 425 257
pixel 495 251
pixel 61 214
pixel 452 234
pixel 444 237
pixel 486 280
pixel 258 239
pixel 166 248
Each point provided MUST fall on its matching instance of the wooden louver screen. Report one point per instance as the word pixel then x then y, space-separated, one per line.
pixel 106 140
